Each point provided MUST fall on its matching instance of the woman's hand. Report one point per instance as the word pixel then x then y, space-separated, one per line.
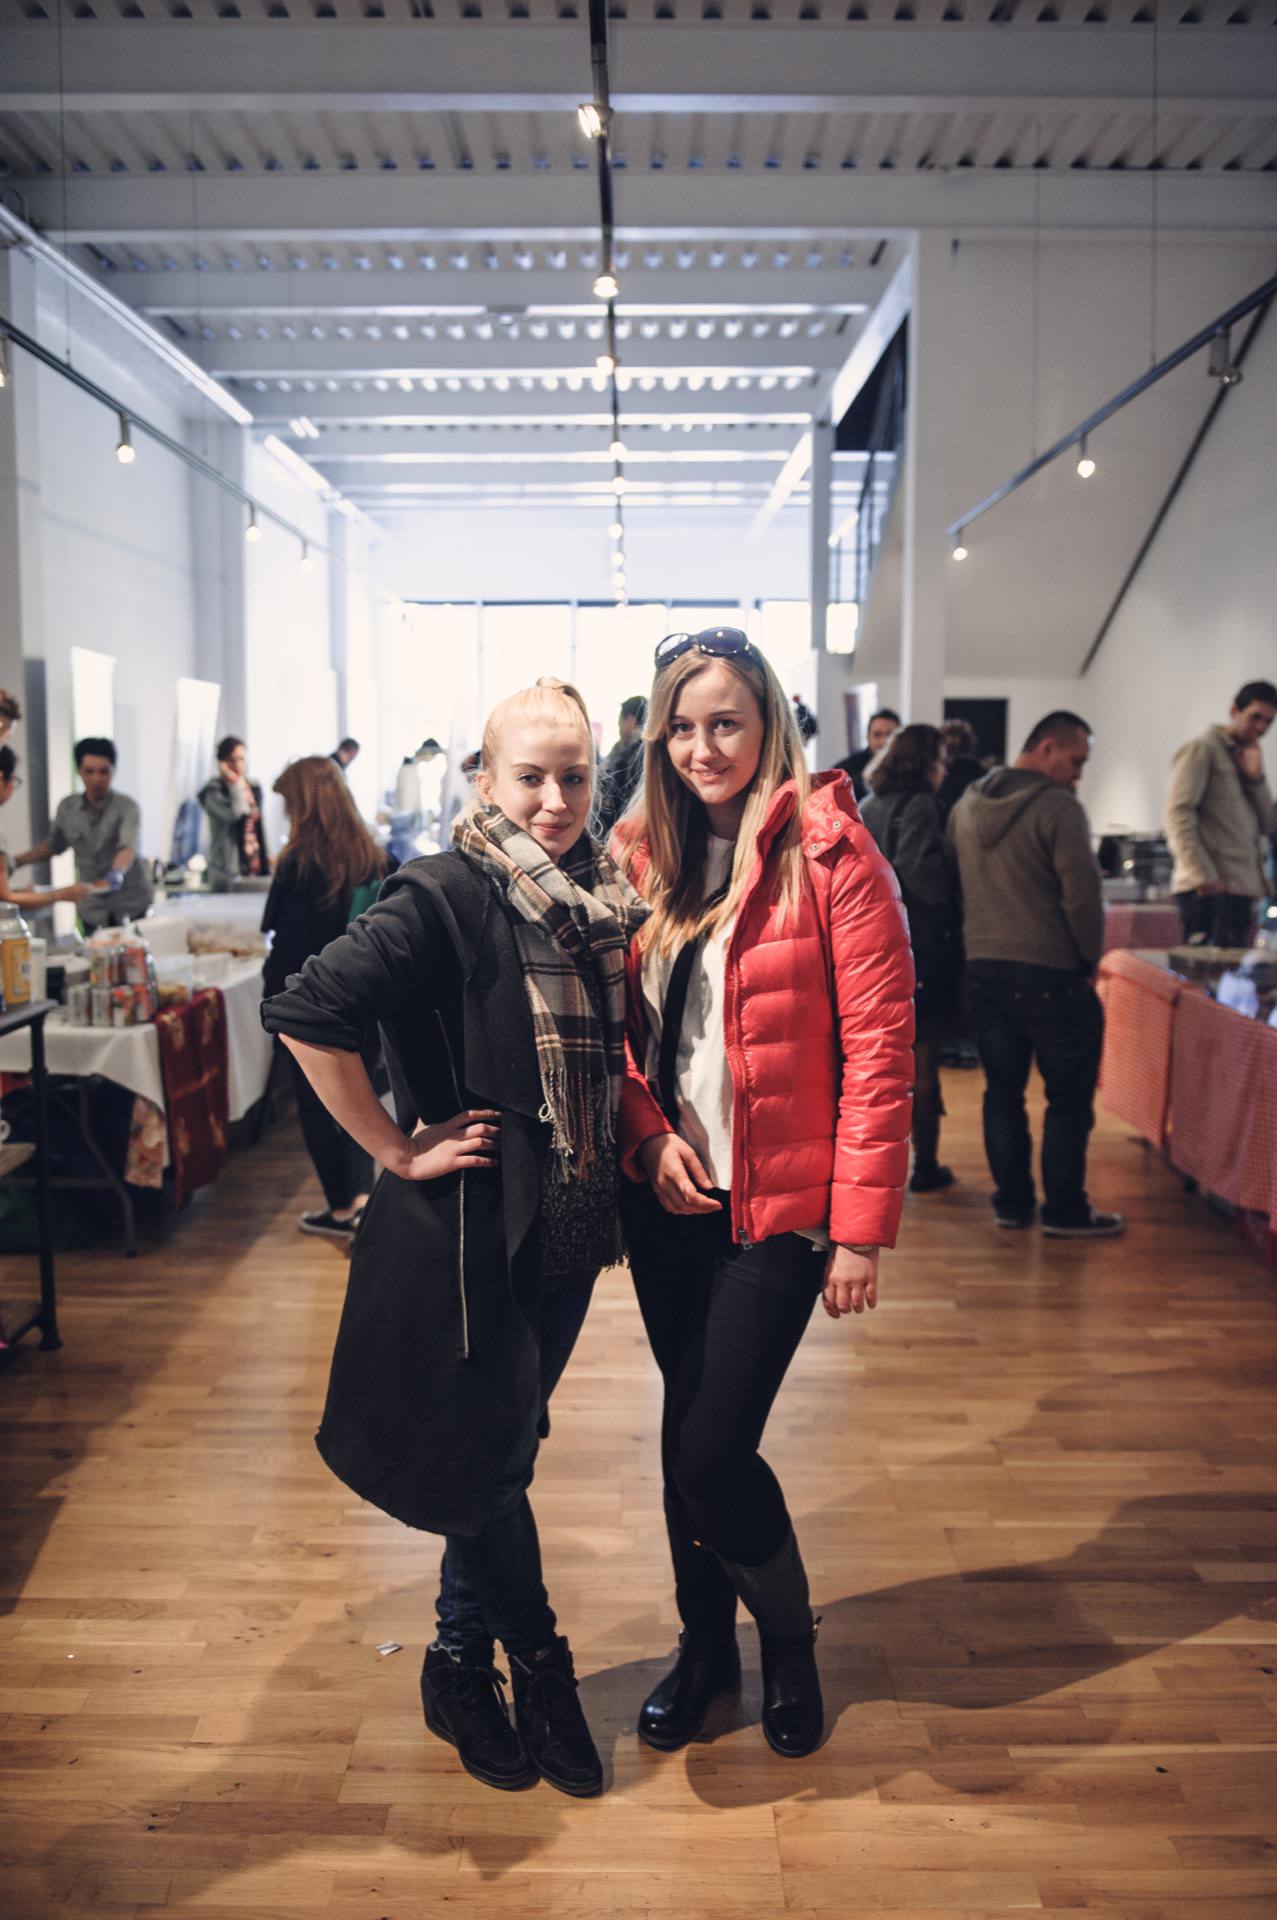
pixel 232 775
pixel 470 1139
pixel 851 1282
pixel 678 1179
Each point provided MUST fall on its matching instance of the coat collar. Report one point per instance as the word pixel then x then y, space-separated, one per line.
pixel 829 815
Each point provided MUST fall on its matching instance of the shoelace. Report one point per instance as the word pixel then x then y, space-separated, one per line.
pixel 555 1703
pixel 482 1687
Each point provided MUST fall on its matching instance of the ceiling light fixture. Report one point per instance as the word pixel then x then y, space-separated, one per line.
pixel 125 451
pixel 606 287
pixel 616 529
pixel 593 119
pixel 617 449
pixel 606 363
pixel 959 545
pixel 306 563
pixel 252 532
pixel 1221 365
pixel 4 361
pixel 619 485
pixel 1085 464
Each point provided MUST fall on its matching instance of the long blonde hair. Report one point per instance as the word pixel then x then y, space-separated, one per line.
pixel 553 703
pixel 672 826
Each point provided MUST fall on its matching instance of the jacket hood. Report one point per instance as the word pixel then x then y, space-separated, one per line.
pixel 830 812
pixel 999 801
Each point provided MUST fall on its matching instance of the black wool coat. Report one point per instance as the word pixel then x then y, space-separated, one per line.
pixel 436 1369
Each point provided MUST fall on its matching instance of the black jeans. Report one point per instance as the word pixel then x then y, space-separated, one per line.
pixel 490 1584
pixel 1216 919
pixel 724 1323
pixel 1022 1014
pixel 343 1167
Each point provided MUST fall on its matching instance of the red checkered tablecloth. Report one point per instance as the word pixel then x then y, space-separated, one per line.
pixel 1141 923
pixel 1139 1017
pixel 1223 1103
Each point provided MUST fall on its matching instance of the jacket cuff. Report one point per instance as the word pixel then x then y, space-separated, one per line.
pixel 640 1119
pixel 866 1216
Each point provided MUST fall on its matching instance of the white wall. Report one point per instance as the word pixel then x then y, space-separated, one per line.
pixel 1201 616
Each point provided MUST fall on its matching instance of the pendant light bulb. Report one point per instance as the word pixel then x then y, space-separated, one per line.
pixel 593 119
pixel 4 361
pixel 619 485
pixel 606 287
pixel 960 545
pixel 125 451
pixel 616 529
pixel 617 449
pixel 606 363
pixel 252 532
pixel 1085 464
pixel 306 564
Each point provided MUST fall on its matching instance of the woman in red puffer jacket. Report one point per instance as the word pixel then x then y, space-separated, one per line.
pixel 765 1130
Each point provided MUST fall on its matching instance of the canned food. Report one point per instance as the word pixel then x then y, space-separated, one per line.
pixel 80 1005
pixel 100 1003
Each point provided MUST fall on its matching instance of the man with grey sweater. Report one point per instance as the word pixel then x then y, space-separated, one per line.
pixel 1219 812
pixel 1034 932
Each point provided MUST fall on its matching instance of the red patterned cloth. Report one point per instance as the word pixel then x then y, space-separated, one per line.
pixel 1223 1112
pixel 1141 923
pixel 1139 1015
pixel 193 1065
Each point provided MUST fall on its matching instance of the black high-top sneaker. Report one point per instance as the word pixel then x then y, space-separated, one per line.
pixel 464 1705
pixel 548 1716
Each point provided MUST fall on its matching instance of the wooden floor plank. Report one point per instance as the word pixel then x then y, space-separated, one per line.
pixel 1036 1492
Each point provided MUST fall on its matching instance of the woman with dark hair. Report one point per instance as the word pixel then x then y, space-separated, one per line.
pixel 237 845
pixel 325 877
pixel 903 815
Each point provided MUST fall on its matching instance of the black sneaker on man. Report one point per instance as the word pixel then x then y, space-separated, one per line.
pixel 329 1227
pixel 1092 1226
pixel 550 1721
pixel 464 1704
pixel 1014 1222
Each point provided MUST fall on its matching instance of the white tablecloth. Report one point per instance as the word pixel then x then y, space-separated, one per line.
pixel 131 1055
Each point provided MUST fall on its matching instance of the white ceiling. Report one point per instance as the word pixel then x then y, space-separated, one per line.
pixel 380 219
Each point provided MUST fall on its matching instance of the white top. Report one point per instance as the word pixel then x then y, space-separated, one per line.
pixel 703 1078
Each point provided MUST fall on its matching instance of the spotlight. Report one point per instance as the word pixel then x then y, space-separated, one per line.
pixel 617 449
pixel 606 363
pixel 125 451
pixel 619 485
pixel 252 532
pixel 594 120
pixel 606 286
pixel 306 563
pixel 4 361
pixel 959 545
pixel 1085 464
pixel 616 529
pixel 1221 365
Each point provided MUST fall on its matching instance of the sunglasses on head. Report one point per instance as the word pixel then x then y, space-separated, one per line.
pixel 720 643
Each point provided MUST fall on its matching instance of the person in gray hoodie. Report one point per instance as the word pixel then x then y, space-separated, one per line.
pixel 1034 932
pixel 1219 812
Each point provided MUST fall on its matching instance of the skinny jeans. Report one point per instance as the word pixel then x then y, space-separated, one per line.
pixel 724 1322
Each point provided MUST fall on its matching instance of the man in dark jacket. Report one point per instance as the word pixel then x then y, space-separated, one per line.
pixel 623 768
pixel 1034 932
pixel 880 729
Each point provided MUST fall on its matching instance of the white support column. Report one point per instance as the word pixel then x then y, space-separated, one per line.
pixel 21 584
pixel 819 516
pixel 221 573
pixel 339 617
pixel 926 556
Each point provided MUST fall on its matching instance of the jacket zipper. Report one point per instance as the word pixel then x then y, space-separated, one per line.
pixel 735 1058
pixel 461 1204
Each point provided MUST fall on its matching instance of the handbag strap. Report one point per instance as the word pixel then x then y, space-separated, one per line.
pixel 672 1015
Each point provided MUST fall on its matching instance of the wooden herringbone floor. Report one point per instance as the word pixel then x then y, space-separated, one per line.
pixel 1038 1495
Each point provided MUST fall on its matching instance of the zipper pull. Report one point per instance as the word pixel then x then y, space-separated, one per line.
pixel 743 1238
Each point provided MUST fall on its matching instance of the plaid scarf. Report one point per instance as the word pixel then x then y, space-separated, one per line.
pixel 571 924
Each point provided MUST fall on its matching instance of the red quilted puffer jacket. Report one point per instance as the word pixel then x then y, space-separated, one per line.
pixel 819 1031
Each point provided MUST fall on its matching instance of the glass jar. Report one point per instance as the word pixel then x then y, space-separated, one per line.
pixel 15 957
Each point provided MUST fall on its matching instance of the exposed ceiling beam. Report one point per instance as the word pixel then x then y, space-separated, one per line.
pixel 347 408
pixel 377 206
pixel 400 449
pixel 421 67
pixel 417 359
pixel 403 295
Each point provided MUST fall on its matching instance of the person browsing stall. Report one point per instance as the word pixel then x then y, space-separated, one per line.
pixel 237 847
pixel 1219 812
pixel 30 899
pixel 102 827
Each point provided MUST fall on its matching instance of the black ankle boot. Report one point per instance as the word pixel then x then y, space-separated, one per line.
pixel 777 1595
pixel 548 1716
pixel 793 1711
pixel 675 1710
pixel 464 1705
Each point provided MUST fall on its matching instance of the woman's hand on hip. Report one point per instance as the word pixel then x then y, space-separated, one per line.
pixel 851 1282
pixel 470 1139
pixel 678 1179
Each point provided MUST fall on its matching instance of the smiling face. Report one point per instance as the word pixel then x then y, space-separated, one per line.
pixel 715 741
pixel 541 781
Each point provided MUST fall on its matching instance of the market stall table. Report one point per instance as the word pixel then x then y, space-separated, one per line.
pixel 1141 924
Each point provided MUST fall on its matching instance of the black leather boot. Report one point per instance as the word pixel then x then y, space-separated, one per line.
pixel 548 1716
pixel 778 1597
pixel 676 1708
pixel 464 1704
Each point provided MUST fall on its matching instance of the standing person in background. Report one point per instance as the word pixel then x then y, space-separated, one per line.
pixel 962 764
pixel 903 816
pixel 28 898
pixel 326 876
pixel 1034 926
pixel 237 845
pixel 880 729
pixel 1219 810
pixel 622 770
pixel 764 1129
pixel 102 827
pixel 344 753
pixel 10 712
